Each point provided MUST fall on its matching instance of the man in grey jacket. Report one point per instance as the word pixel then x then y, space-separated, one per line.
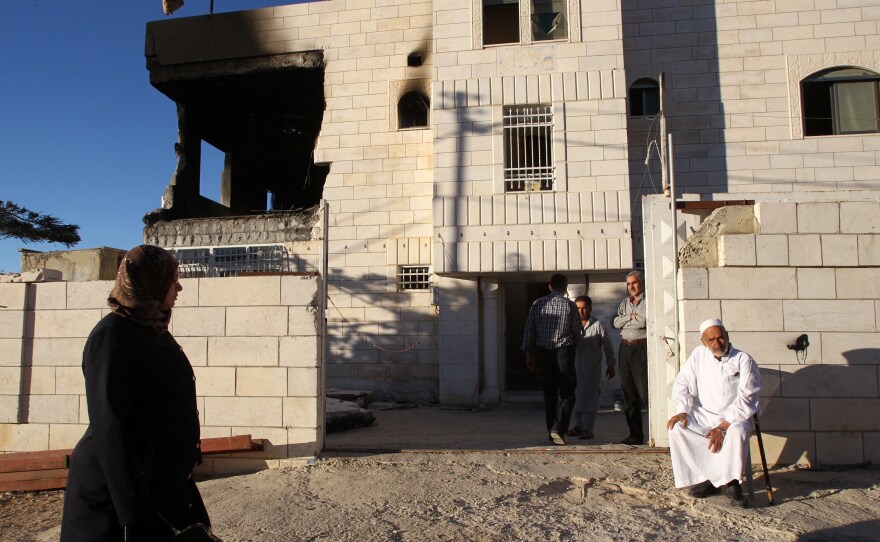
pixel 633 355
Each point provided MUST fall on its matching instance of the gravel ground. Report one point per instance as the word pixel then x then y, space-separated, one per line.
pixel 489 475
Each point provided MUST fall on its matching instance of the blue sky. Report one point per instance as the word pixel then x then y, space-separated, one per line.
pixel 83 135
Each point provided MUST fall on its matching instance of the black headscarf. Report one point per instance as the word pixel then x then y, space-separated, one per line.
pixel 146 274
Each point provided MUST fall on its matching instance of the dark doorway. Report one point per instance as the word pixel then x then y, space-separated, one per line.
pixel 518 299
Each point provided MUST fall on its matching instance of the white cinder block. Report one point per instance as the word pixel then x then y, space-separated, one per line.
pixel 10 352
pixel 771 250
pixel 804 250
pixel 198 321
pixel 777 217
pixel 829 315
pixel 300 290
pixel 869 249
pixel 256 411
pixel 261 382
pixel 858 283
pixel 303 382
pixel 50 295
pixel 694 311
pixel 839 448
pixel 850 348
pixel 10 381
pixel 12 296
pixel 860 217
pixel 736 250
pixel 69 381
pixel 840 250
pixel 42 381
pixel 215 381
pixel 770 348
pixel 196 349
pixel 63 436
pixel 752 315
pixel 88 295
pixel 58 352
pixel 11 324
pixel 299 351
pixel 833 381
pixel 301 412
pixel 816 283
pixel 256 321
pixel 752 283
pixel 239 291
pixel 24 437
pixel 816 217
pixel 54 409
pixel 66 323
pixel 242 351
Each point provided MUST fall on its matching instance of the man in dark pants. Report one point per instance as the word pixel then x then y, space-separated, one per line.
pixel 633 356
pixel 550 337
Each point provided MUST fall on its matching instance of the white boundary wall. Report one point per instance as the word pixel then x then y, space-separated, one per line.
pixel 812 266
pixel 254 343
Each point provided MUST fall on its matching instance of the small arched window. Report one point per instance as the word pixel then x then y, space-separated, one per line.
pixel 840 101
pixel 412 110
pixel 644 98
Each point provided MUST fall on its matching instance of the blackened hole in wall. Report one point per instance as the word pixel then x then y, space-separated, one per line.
pixel 264 125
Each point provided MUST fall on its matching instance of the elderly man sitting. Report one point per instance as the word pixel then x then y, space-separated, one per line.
pixel 716 395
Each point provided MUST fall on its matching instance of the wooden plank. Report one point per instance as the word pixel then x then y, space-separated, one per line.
pixel 33 475
pixel 34 485
pixel 24 461
pixel 225 445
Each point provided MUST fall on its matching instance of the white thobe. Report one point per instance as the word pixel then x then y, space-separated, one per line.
pixel 710 391
pixel 594 340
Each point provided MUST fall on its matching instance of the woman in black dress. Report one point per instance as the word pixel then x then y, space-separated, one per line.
pixel 130 474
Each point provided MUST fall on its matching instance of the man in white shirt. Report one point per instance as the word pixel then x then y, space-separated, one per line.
pixel 716 396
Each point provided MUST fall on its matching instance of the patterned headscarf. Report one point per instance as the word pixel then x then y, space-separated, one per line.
pixel 145 275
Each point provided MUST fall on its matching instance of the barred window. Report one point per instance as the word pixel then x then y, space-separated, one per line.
pixel 414 277
pixel 528 148
pixel 231 261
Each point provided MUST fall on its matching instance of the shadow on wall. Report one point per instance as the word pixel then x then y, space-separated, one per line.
pixel 822 412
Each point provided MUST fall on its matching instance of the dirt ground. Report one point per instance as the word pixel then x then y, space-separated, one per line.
pixel 455 488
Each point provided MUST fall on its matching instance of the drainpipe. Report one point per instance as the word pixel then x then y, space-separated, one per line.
pixel 675 340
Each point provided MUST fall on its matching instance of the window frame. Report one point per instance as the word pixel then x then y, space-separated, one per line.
pixel 642 84
pixel 813 103
pixel 525 32
pixel 545 125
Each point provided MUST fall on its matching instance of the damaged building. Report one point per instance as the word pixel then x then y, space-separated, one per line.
pixel 450 165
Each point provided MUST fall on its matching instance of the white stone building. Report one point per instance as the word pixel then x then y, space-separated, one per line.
pixel 468 149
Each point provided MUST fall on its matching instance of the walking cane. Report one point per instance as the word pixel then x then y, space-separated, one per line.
pixel 764 461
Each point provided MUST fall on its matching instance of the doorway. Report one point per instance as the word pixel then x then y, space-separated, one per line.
pixel 518 298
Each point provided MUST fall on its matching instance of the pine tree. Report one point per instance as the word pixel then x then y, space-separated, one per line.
pixel 19 223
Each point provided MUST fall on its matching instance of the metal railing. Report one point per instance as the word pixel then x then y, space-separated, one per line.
pixel 230 261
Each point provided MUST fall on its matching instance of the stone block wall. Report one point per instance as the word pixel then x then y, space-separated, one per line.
pixel 809 269
pixel 254 343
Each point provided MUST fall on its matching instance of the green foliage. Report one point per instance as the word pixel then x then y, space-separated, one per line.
pixel 30 227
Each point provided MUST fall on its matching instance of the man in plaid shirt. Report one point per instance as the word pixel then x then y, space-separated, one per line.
pixel 549 340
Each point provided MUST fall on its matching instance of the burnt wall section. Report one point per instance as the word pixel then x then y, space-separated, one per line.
pixel 240 230
pixel 263 112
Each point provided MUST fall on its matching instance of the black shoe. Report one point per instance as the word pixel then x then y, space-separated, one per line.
pixel 703 490
pixel 587 434
pixel 557 438
pixel 735 494
pixel 633 441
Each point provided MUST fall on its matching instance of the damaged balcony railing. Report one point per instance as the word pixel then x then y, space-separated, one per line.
pixel 230 261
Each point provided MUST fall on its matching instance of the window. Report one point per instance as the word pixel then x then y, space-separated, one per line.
pixel 413 277
pixel 502 21
pixel 840 101
pixel 412 110
pixel 644 98
pixel 528 149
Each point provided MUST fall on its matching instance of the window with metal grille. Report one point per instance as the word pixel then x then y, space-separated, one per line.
pixel 231 261
pixel 414 277
pixel 528 148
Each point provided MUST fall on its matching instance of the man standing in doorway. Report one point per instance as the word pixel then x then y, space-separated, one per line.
pixel 593 341
pixel 551 332
pixel 633 355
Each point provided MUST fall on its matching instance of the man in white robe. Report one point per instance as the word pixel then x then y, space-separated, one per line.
pixel 716 395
